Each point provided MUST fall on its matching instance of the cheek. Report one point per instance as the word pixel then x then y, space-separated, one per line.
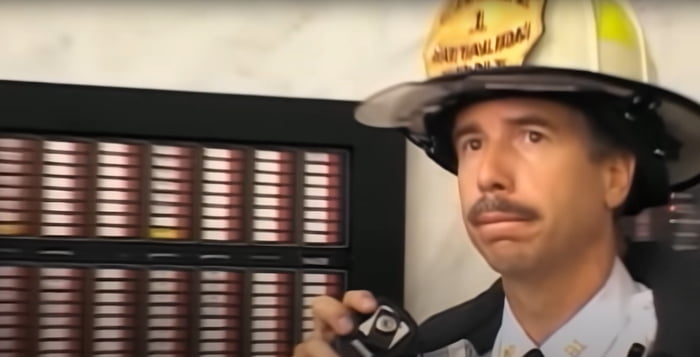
pixel 468 191
pixel 568 186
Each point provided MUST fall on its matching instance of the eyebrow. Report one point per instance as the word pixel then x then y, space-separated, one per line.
pixel 517 121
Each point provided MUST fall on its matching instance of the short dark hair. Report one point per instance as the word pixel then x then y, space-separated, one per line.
pixel 605 124
pixel 607 139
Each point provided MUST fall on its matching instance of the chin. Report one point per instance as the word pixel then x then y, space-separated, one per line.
pixel 506 257
pixel 510 268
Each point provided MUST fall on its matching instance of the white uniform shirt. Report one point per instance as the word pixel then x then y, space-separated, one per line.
pixel 620 314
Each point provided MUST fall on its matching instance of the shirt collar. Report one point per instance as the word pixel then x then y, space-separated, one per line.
pixel 590 333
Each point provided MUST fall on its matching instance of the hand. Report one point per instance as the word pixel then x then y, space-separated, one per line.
pixel 333 318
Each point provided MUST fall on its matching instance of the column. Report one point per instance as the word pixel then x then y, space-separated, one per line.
pixel 19 164
pixel 220 313
pixel 271 314
pixel 119 178
pixel 273 195
pixel 323 198
pixel 316 284
pixel 65 189
pixel 168 307
pixel 222 194
pixel 171 192
pixel 115 312
pixel 60 312
pixel 14 315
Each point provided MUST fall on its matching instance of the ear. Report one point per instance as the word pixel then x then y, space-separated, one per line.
pixel 618 175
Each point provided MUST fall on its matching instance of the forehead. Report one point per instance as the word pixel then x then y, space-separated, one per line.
pixel 518 111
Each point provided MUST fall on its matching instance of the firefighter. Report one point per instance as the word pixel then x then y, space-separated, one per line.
pixel 544 112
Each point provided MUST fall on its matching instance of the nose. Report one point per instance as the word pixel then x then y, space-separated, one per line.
pixel 494 170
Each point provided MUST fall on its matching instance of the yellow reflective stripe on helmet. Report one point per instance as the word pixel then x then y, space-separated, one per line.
pixel 614 23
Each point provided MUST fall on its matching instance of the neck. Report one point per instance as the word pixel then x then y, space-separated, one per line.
pixel 545 301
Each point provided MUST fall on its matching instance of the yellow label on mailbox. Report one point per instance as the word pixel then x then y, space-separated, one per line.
pixel 12 229
pixel 164 233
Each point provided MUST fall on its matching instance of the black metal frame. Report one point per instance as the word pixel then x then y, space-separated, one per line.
pixel 374 258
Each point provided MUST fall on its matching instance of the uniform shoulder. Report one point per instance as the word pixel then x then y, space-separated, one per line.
pixel 460 348
pixel 477 321
pixel 674 279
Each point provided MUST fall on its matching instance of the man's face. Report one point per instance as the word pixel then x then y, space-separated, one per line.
pixel 532 195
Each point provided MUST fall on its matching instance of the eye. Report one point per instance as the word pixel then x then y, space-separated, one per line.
pixel 534 137
pixel 472 144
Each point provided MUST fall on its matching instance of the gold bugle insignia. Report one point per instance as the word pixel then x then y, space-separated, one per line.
pixel 474 34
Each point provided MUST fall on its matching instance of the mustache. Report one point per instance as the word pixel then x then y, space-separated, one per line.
pixel 498 204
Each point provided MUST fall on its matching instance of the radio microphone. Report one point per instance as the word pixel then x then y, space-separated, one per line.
pixel 636 350
pixel 388 332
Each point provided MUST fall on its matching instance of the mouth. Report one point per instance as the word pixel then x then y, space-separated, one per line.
pixel 488 218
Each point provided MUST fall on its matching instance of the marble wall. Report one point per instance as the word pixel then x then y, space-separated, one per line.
pixel 321 49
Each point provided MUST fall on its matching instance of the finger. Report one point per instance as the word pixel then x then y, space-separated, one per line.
pixel 315 348
pixel 362 301
pixel 322 330
pixel 330 315
pixel 300 350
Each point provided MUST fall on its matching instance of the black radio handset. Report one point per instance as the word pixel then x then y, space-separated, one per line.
pixel 636 350
pixel 388 332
